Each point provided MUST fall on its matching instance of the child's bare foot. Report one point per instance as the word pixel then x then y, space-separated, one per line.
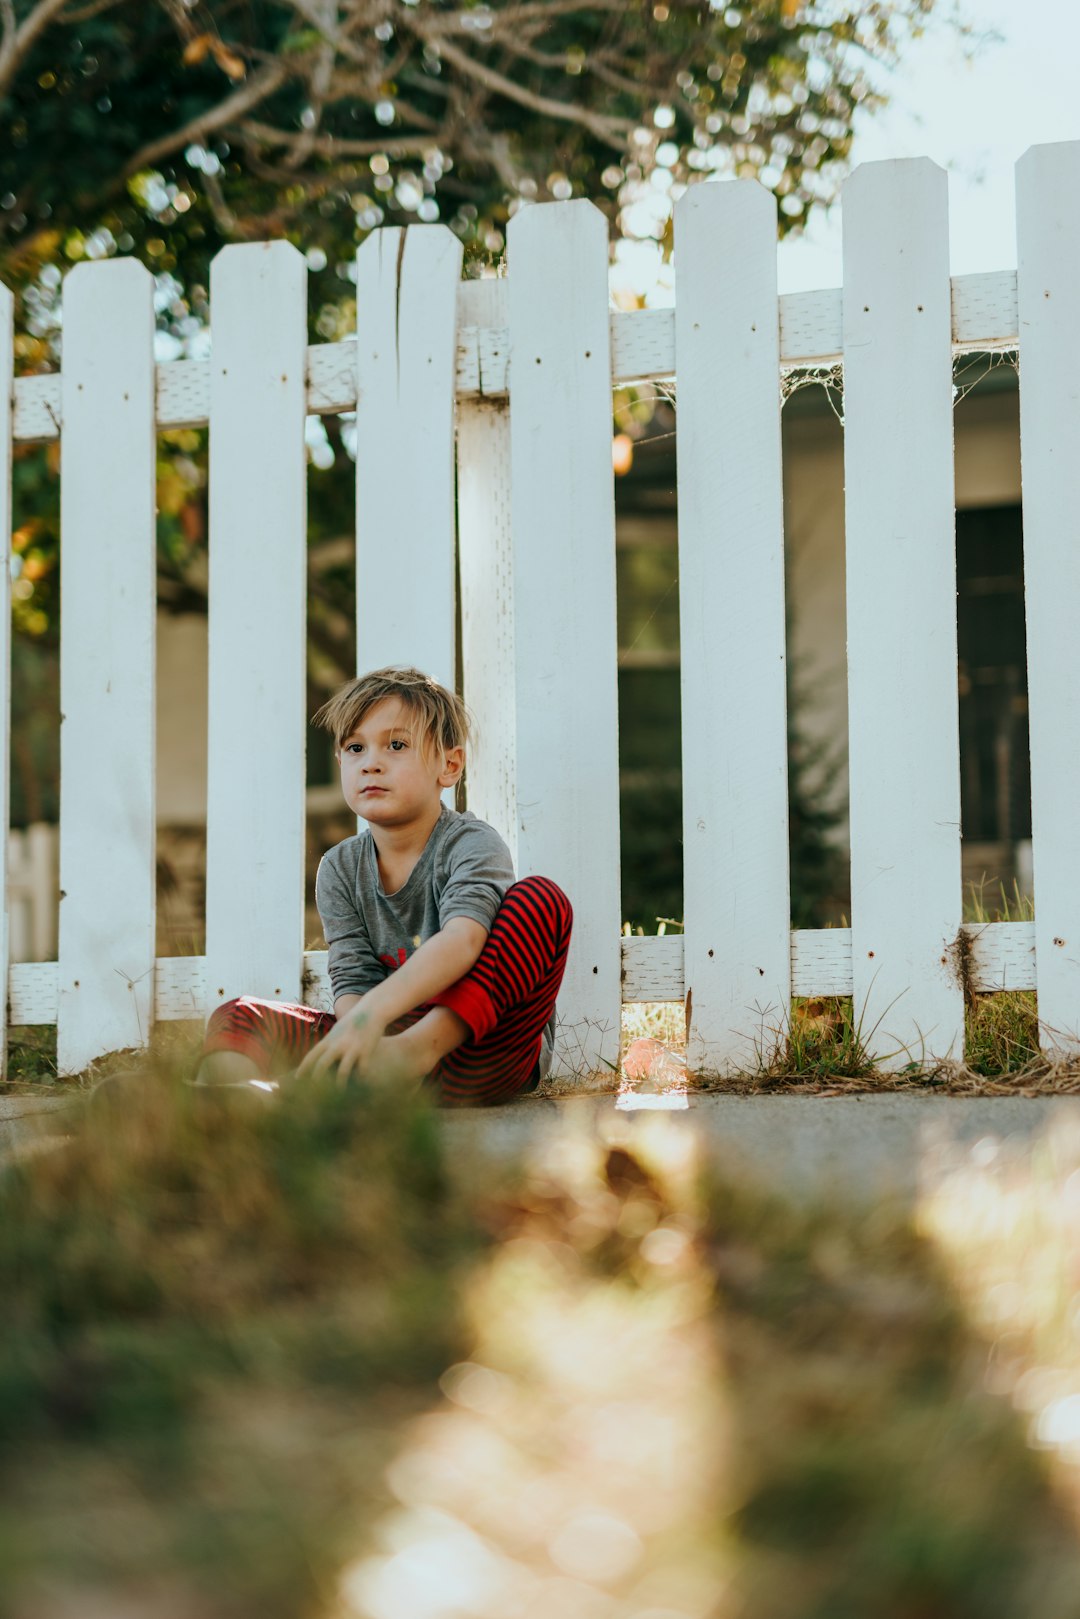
pixel 397 1061
pixel 406 1058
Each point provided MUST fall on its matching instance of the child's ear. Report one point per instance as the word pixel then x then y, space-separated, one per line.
pixel 453 765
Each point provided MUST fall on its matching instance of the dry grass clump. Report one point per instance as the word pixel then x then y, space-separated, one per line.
pixel 876 1473
pixel 203 1297
pixel 274 1359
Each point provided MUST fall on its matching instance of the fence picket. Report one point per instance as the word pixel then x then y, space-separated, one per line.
pixel 731 593
pixel 7 393
pixel 564 594
pixel 486 566
pixel 406 324
pixel 901 612
pixel 108 597
pixel 1048 236
pixel 257 629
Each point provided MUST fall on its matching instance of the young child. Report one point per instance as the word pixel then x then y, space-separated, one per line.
pixel 441 965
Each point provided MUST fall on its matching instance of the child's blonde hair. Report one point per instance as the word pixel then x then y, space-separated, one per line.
pixel 441 716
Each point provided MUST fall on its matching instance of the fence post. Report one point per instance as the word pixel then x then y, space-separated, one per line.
pixel 406 327
pixel 258 626
pixel 1048 235
pixel 563 507
pixel 486 560
pixel 108 605
pixel 901 613
pixel 732 636
pixel 7 392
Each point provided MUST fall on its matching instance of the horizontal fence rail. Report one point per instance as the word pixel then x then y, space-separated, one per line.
pixel 642 348
pixel 483 464
pixel 1001 957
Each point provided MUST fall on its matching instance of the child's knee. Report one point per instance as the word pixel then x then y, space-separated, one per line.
pixel 232 1024
pixel 546 895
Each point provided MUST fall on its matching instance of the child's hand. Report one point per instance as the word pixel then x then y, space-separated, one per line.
pixel 348 1047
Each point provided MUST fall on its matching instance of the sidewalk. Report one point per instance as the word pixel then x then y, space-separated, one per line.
pixel 846 1149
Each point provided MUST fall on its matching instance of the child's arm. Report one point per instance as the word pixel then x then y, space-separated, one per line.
pixel 363 1019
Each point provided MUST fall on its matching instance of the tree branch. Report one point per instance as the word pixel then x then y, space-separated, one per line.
pixel 18 42
pixel 335 146
pixel 613 131
pixel 93 8
pixel 7 13
pixel 533 11
pixel 591 64
pixel 258 87
pixel 319 81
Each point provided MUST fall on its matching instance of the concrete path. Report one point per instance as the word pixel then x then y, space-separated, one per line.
pixel 855 1149
pixel 847 1149
pixel 28 1123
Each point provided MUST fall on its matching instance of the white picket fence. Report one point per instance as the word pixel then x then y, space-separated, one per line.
pixel 510 382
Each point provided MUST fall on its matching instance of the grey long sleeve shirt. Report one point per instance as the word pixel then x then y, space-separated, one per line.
pixel 464 870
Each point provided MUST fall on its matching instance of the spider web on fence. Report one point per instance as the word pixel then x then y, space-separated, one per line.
pixel 969 370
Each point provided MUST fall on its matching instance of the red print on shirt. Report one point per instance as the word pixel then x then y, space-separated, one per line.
pixel 394 962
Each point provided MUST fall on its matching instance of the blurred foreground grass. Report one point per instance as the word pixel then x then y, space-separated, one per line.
pixel 294 1360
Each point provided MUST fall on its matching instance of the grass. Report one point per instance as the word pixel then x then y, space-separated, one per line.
pixel 821 1046
pixel 31 1058
pixel 297 1360
pixel 196 1300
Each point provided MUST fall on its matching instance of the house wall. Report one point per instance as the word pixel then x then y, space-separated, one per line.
pixel 181 718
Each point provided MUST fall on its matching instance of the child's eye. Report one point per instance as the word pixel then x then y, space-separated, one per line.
pixel 354 747
pixel 398 743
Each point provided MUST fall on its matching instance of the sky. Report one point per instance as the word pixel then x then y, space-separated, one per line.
pixel 975 119
pixel 975 115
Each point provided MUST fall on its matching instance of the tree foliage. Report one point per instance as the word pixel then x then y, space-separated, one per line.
pixel 168 127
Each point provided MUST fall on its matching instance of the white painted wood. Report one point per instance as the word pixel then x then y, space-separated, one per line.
pixel 406 317
pixel 7 361
pixel 1048 235
pixel 564 595
pixel 984 312
pixel 821 961
pixel 643 348
pixel 901 612
pixel 486 572
pixel 32 993
pixel 1003 957
pixel 331 378
pixel 736 906
pixel 181 988
pixel 257 628
pixel 317 991
pixel 652 968
pixel 108 604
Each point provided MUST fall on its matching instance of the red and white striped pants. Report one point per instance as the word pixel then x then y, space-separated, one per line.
pixel 505 999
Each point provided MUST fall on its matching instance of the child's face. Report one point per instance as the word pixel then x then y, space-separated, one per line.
pixel 387 775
